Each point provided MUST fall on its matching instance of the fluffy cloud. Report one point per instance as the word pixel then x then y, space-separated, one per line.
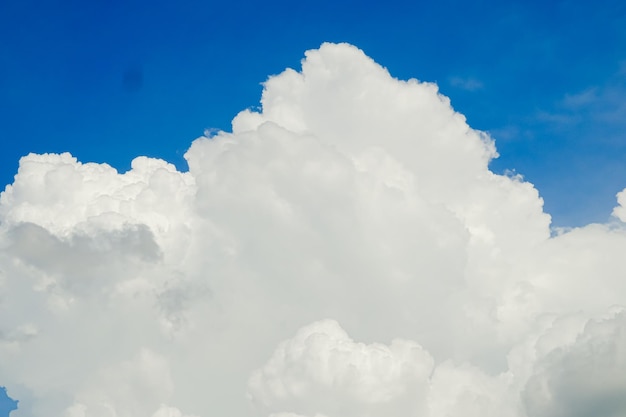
pixel 322 369
pixel 620 211
pixel 584 378
pixel 352 196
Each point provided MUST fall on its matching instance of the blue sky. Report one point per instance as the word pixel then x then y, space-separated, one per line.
pixel 108 81
pixel 6 403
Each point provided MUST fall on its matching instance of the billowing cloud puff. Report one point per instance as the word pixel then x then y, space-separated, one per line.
pixel 584 378
pixel 620 211
pixel 351 196
pixel 322 370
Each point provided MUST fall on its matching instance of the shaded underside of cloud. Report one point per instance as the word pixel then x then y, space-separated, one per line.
pixel 343 252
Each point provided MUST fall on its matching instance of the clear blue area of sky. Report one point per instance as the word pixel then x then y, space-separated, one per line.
pixel 6 404
pixel 111 80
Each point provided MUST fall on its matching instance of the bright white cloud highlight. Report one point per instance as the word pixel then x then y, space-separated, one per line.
pixel 322 369
pixel 343 252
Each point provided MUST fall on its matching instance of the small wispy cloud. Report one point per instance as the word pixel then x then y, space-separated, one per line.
pixel 466 83
pixel 581 99
pixel 556 118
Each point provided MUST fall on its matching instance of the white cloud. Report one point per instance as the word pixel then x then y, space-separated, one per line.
pixel 129 388
pixel 620 210
pixel 351 196
pixel 584 378
pixel 322 371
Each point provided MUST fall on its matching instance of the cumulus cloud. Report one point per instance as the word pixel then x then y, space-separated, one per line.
pixel 345 251
pixel 584 378
pixel 323 370
pixel 620 210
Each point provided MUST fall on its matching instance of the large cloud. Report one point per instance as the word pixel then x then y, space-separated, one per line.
pixel 350 196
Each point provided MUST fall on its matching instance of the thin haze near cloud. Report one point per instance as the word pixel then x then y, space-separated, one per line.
pixel 343 252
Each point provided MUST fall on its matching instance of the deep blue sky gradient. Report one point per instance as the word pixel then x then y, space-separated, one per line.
pixel 111 80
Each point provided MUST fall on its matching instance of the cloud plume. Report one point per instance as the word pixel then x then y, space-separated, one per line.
pixel 345 251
